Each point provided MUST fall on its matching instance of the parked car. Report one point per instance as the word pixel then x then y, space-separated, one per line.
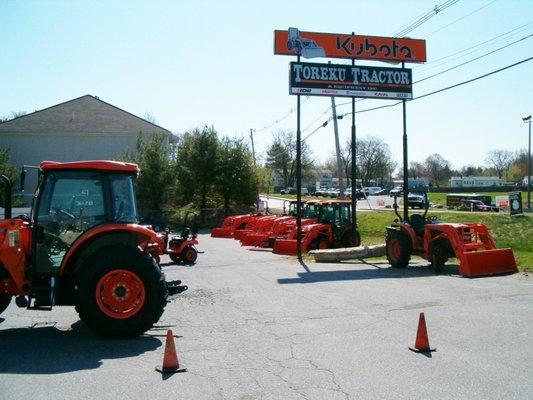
pixel 396 191
pixel 381 192
pixel 416 200
pixel 478 205
pixel 371 190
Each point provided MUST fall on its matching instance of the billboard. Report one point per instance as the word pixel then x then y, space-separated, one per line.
pixel 314 44
pixel 314 79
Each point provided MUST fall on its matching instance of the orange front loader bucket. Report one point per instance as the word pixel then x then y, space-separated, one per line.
pixel 287 247
pixel 487 262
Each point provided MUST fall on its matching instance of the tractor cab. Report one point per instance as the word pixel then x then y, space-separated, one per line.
pixel 70 202
pixel 338 215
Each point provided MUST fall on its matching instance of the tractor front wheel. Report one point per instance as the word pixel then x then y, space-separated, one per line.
pixel 398 248
pixel 438 257
pixel 4 302
pixel 120 292
pixel 175 258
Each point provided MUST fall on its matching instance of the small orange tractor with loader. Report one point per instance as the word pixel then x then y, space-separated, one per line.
pixel 283 226
pixel 82 247
pixel 436 242
pixel 334 228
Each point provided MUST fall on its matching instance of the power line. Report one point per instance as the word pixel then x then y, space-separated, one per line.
pixel 424 18
pixel 431 93
pixel 277 121
pixel 474 59
pixel 460 19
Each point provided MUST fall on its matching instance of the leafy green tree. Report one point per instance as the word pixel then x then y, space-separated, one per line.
pixel 196 164
pixel 236 178
pixel 9 170
pixel 156 177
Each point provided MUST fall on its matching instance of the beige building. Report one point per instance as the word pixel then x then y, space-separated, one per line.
pixel 85 128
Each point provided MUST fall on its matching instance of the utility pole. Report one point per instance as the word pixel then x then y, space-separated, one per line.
pixel 252 140
pixel 527 120
pixel 337 146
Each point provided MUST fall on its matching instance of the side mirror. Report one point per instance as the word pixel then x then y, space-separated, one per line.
pixel 22 179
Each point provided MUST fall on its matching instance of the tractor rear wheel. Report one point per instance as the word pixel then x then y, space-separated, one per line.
pixel 189 255
pixel 120 292
pixel 351 239
pixel 398 248
pixel 4 302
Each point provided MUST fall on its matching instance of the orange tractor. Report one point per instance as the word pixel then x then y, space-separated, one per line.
pixel 283 226
pixel 435 241
pixel 180 248
pixel 82 247
pixel 334 228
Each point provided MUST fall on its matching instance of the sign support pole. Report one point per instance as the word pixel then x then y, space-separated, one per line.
pixel 298 179
pixel 405 164
pixel 354 180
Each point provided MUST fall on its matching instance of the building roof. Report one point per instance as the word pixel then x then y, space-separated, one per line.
pixel 86 114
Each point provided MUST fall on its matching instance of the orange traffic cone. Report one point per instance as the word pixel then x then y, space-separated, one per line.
pixel 422 341
pixel 171 363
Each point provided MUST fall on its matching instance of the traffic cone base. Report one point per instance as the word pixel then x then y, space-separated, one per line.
pixel 171 363
pixel 422 340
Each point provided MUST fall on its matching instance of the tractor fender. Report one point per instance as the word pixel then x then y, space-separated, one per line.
pixel 405 228
pixel 102 236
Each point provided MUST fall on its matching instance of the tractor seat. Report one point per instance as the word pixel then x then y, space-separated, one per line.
pixel 417 222
pixel 185 233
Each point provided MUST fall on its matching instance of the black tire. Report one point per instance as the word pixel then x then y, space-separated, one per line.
pixel 438 257
pixel 4 302
pixel 351 239
pixel 189 255
pixel 398 248
pixel 111 263
pixel 175 258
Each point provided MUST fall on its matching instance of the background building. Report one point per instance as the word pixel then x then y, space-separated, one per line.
pixel 85 128
pixel 475 181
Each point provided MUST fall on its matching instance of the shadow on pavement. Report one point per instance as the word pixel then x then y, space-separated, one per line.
pixel 49 350
pixel 379 271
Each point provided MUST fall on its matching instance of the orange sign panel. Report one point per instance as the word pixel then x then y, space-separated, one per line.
pixel 314 44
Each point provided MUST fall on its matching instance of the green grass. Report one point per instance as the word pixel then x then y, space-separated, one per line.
pixel 515 232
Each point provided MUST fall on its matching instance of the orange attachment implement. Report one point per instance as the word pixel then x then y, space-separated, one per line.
pixel 487 262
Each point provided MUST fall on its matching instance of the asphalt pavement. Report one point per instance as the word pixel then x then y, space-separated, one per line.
pixel 254 325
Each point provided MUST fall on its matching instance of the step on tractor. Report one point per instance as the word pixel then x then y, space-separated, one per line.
pixel 82 246
pixel 436 242
pixel 179 247
pixel 334 229
pixel 283 226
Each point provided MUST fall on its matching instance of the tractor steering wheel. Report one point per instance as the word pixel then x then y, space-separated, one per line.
pixel 63 214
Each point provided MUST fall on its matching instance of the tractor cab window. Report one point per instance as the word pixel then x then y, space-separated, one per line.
pixel 327 213
pixel 345 217
pixel 71 203
pixel 292 209
pixel 311 211
pixel 124 209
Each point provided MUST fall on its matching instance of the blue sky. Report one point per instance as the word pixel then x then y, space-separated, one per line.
pixel 190 63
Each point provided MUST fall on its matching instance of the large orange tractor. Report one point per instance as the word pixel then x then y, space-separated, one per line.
pixel 334 228
pixel 82 247
pixel 436 242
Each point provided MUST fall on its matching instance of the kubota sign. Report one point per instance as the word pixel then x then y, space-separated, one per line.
pixel 350 81
pixel 314 44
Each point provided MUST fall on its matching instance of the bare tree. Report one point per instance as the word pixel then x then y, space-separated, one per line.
pixel 374 159
pixel 499 160
pixel 437 169
pixel 13 115
pixel 148 116
pixel 281 156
